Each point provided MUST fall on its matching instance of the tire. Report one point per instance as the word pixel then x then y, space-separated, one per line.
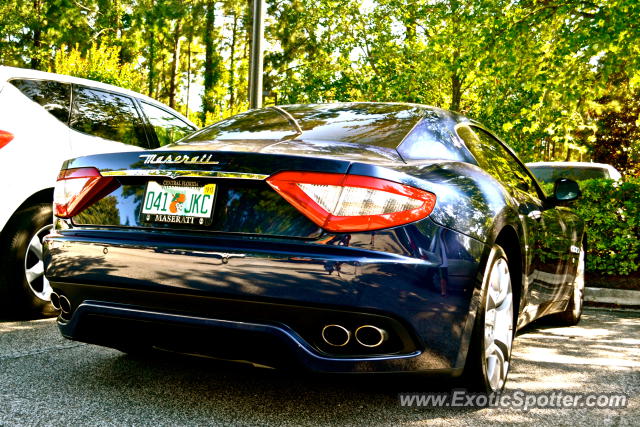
pixel 572 314
pixel 24 290
pixel 489 355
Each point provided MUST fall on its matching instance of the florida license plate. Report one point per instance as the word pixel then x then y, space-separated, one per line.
pixel 178 202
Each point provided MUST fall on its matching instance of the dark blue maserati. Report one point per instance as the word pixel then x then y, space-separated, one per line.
pixel 354 237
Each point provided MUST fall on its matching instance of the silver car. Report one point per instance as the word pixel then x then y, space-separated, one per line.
pixel 550 172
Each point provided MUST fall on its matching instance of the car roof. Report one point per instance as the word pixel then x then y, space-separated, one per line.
pixel 7 73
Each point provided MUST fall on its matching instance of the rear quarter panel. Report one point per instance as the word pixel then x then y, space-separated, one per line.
pixel 467 199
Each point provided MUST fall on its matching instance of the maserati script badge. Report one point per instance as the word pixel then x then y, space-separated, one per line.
pixel 154 159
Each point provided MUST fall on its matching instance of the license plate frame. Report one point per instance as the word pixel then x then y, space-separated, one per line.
pixel 179 203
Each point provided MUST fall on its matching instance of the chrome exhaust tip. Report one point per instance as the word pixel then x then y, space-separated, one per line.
pixel 336 335
pixel 55 300
pixel 65 304
pixel 370 336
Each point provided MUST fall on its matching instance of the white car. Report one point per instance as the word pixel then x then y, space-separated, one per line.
pixel 550 172
pixel 46 118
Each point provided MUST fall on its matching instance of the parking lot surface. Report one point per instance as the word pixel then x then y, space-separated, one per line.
pixel 47 380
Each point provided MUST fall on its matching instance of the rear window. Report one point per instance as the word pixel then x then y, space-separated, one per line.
pixel 382 125
pixel 257 124
pixel 553 173
pixel 107 115
pixel 55 97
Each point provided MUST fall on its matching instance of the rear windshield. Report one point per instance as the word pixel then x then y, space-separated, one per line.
pixel 382 125
pixel 553 173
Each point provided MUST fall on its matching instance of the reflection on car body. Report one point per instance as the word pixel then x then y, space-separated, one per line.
pixel 356 237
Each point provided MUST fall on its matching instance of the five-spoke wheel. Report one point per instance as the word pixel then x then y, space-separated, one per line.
pixel 498 324
pixel 490 352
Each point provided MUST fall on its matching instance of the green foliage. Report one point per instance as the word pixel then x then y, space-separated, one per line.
pixel 540 71
pixel 100 63
pixel 611 211
pixel 618 141
pixel 559 78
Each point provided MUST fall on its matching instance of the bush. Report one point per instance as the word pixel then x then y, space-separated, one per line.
pixel 611 211
pixel 100 63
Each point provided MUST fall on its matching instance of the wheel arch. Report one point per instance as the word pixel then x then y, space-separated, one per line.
pixel 42 196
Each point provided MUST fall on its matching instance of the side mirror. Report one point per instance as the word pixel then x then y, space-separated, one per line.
pixel 566 190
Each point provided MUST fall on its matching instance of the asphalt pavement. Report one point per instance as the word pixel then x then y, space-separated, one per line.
pixel 47 380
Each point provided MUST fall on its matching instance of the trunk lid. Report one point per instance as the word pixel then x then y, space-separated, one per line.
pixel 242 201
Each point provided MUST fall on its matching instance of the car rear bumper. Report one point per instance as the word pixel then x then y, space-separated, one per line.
pixel 217 296
pixel 265 344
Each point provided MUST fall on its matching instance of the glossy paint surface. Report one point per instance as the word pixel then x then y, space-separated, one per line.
pixel 266 259
pixel 395 272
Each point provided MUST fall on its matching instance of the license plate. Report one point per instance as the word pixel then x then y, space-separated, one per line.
pixel 178 202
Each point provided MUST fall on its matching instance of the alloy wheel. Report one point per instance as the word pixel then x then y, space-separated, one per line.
pixel 34 265
pixel 498 324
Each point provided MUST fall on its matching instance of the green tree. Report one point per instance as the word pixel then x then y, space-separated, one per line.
pixel 99 63
pixel 558 78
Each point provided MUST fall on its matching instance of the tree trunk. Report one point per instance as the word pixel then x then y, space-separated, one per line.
pixel 232 65
pixel 209 45
pixel 151 60
pixel 37 34
pixel 456 83
pixel 547 150
pixel 190 41
pixel 117 24
pixel 151 64
pixel 174 65
pixel 456 91
pixel 248 43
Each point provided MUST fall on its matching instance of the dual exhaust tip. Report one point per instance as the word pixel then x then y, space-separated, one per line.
pixel 60 302
pixel 367 336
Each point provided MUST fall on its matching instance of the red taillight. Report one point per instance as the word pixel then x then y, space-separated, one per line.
pixel 5 138
pixel 77 189
pixel 348 203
